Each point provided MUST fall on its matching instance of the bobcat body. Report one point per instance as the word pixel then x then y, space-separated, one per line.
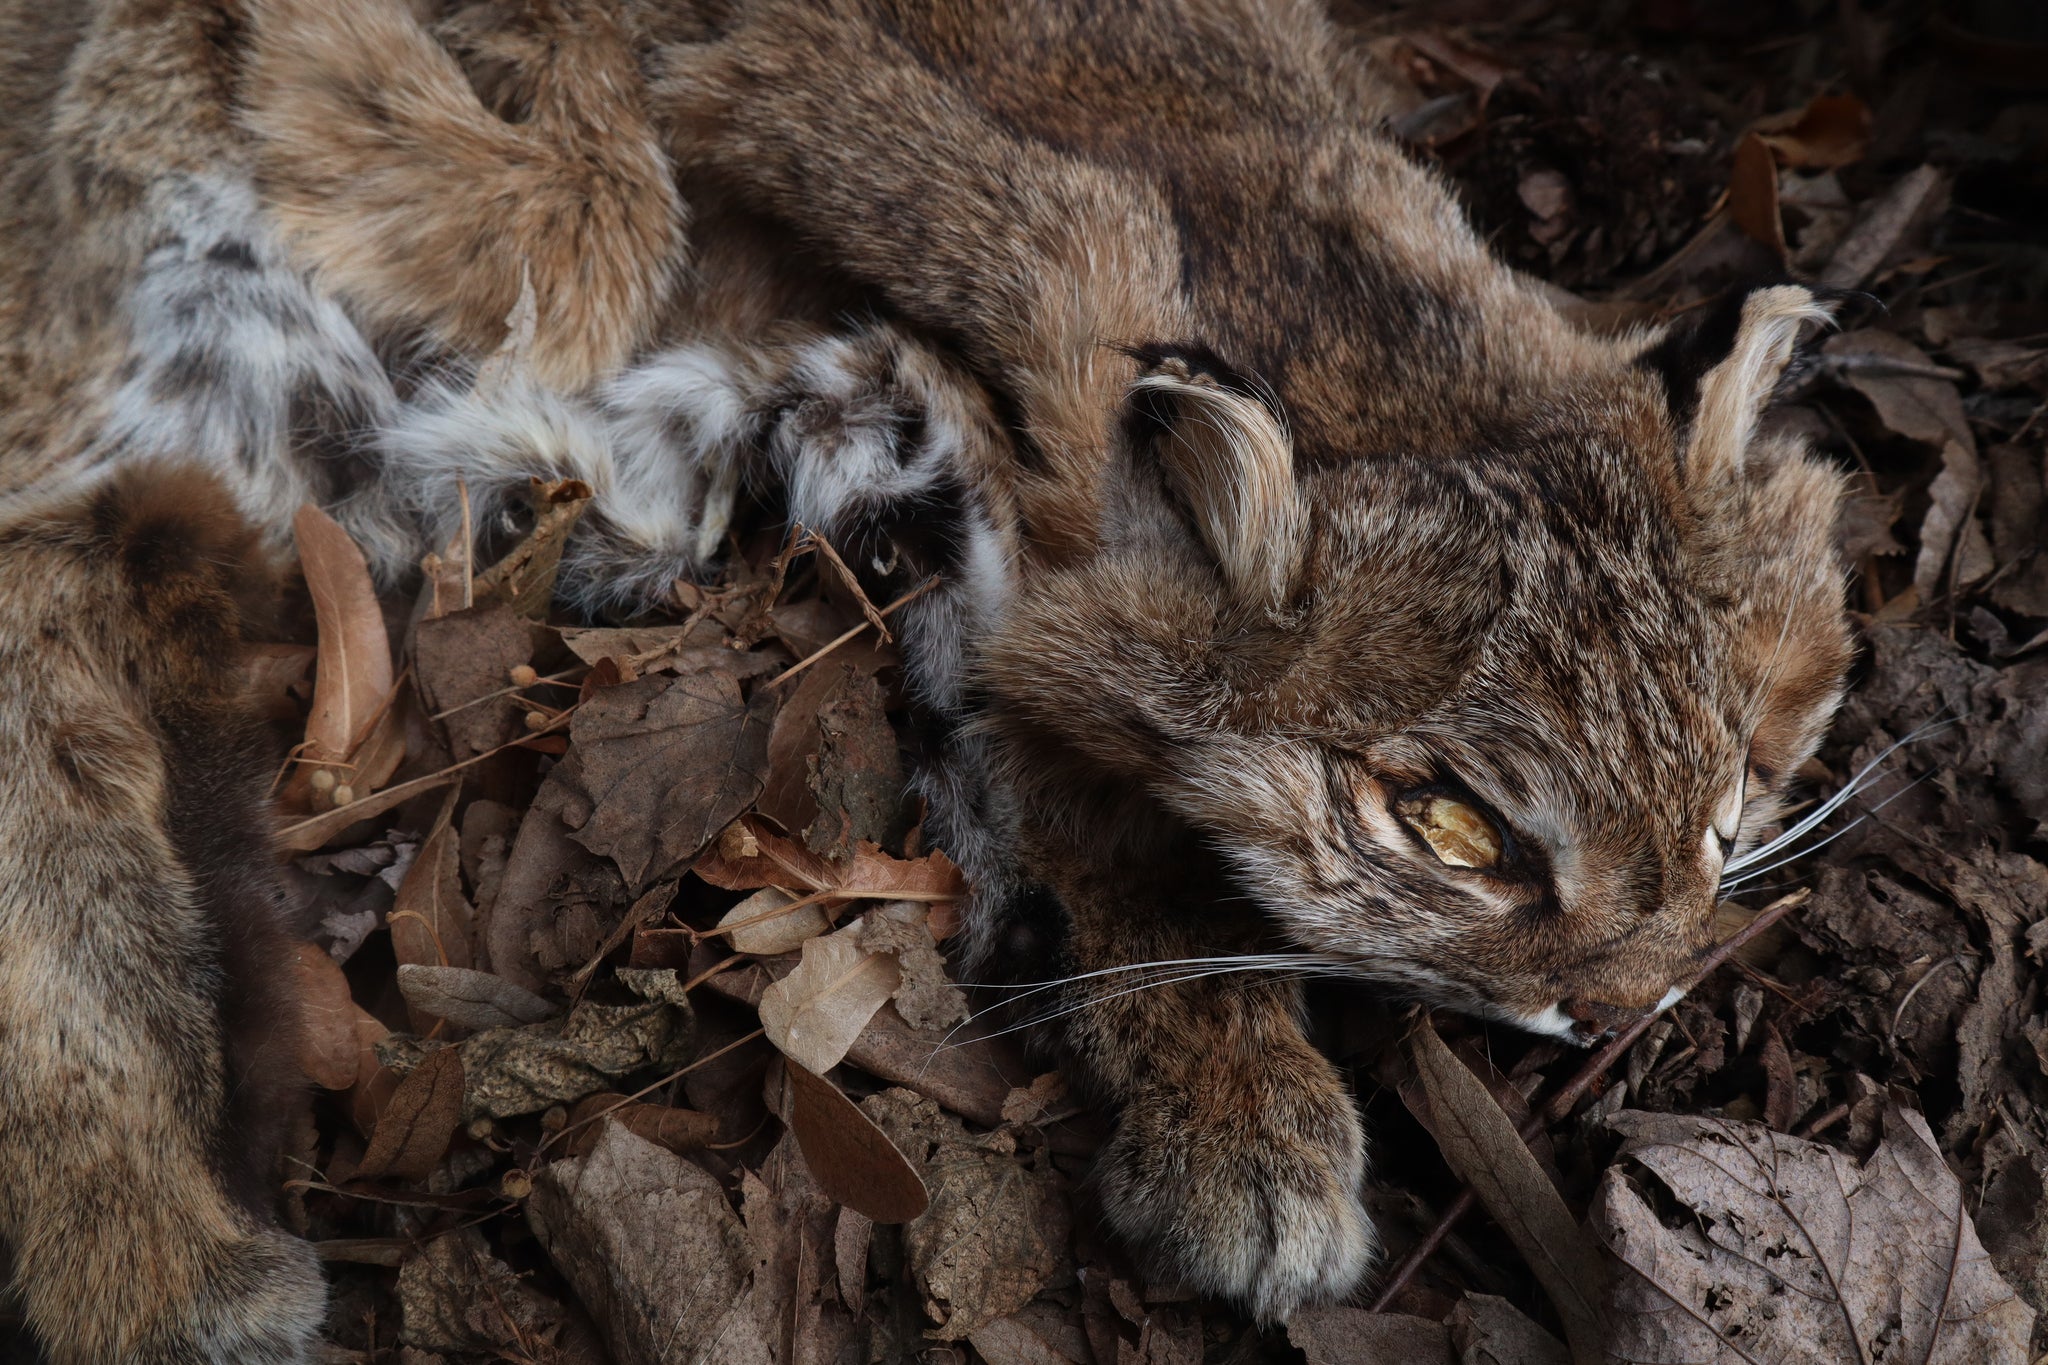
pixel 1312 594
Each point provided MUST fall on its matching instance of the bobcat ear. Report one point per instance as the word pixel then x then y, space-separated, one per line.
pixel 1721 366
pixel 1220 443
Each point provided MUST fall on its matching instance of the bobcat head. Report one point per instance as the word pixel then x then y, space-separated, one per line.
pixel 1489 727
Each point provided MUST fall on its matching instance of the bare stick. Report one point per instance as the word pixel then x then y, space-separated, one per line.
pixel 800 665
pixel 1560 1105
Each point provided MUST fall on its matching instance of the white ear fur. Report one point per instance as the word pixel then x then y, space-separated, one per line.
pixel 1232 462
pixel 1735 392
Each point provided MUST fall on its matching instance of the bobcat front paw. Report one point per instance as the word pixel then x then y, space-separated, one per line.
pixel 1247 1195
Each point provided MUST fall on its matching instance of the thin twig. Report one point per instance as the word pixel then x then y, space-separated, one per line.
pixel 1561 1104
pixel 468 546
pixel 677 1074
pixel 800 665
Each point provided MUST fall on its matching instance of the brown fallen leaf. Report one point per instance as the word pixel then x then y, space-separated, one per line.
pixel 1753 194
pixel 679 1130
pixel 464 661
pixel 656 768
pixel 1953 546
pixel 430 920
pixel 854 772
pixel 351 732
pixel 470 999
pixel 970 1075
pixel 852 1160
pixel 1903 384
pixel 814 1014
pixel 749 855
pixel 328 1051
pixel 1480 1143
pixel 998 1229
pixel 653 1250
pixel 1789 1250
pixel 375 1082
pixel 1830 132
pixel 418 1122
pixel 454 1295
pixel 1488 1330
pixel 1032 1337
pixel 1887 227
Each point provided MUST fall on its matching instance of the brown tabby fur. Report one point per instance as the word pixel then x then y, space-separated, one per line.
pixel 1300 504
pixel 146 981
pixel 1378 520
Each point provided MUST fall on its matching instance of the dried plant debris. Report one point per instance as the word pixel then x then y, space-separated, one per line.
pixel 631 1012
pixel 1785 1249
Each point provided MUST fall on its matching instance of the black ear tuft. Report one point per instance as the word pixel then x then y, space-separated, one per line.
pixel 1701 339
pixel 1695 343
pixel 1721 367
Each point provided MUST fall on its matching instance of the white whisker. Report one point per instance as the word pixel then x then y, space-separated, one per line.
pixel 1862 780
pixel 1728 884
pixel 1300 965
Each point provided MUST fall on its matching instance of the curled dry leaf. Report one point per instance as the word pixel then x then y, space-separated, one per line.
pixel 760 924
pixel 679 1130
pixel 998 1229
pixel 525 577
pixel 1788 1250
pixel 1753 194
pixel 925 997
pixel 413 1133
pixel 558 1061
pixel 470 999
pixel 749 855
pixel 352 721
pixel 1481 1145
pixel 852 1160
pixel 1832 131
pixel 328 1051
pixel 430 920
pixel 814 1014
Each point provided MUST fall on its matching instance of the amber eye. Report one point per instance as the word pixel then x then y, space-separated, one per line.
pixel 1457 833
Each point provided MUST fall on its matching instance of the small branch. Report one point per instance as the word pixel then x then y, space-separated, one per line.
pixel 800 665
pixel 1560 1105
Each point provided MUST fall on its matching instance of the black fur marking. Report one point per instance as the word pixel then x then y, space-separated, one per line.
pixel 234 254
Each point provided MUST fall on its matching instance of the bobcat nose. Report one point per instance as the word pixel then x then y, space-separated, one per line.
pixel 1597 1019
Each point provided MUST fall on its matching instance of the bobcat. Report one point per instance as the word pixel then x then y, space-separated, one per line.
pixel 1313 595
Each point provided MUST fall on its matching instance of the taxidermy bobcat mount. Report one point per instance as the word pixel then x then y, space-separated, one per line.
pixel 1314 596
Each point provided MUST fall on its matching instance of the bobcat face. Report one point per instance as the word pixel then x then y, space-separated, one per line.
pixel 1486 728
